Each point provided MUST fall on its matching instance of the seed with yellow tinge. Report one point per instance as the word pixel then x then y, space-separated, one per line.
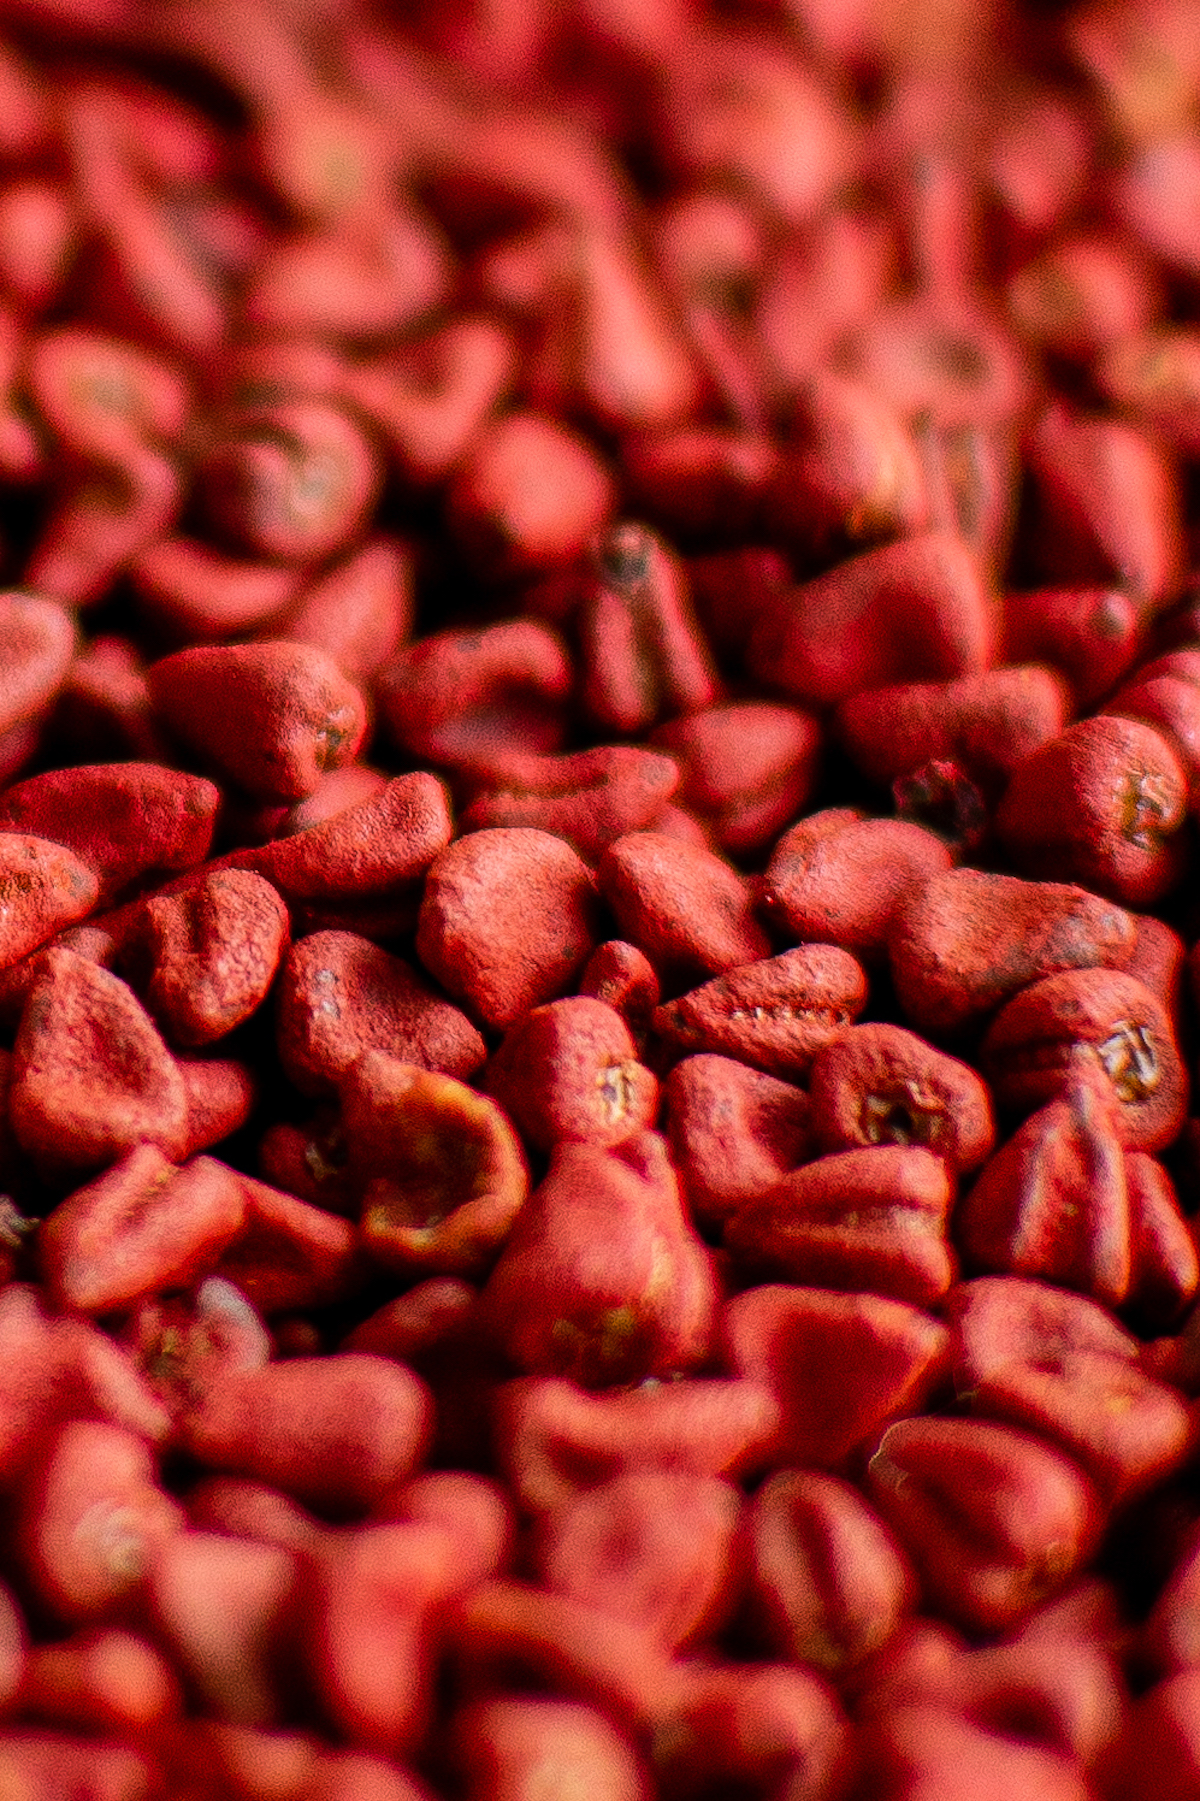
pixel 443 1172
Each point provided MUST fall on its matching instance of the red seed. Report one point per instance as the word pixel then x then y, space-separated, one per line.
pixel 650 1546
pixel 603 1278
pixel 840 879
pixel 838 1364
pixel 91 1076
pixel 473 935
pixel 297 714
pixel 44 888
pixel 213 953
pixel 143 1227
pixel 474 700
pixel 913 611
pixel 126 820
pixel 734 1133
pixel 776 1013
pixel 863 1220
pixel 91 1519
pixel 689 911
pixel 337 1432
pixel 966 939
pixel 555 1439
pixel 569 1071
pixel 878 1084
pixel 443 1174
pixel 528 495
pixel 993 1518
pixel 828 1583
pixel 340 996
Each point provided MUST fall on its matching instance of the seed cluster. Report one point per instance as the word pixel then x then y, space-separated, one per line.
pixel 599 753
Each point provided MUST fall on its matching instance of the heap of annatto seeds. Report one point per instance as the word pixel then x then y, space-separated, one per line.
pixel 599 726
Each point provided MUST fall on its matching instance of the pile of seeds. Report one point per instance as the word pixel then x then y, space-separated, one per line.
pixel 599 747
